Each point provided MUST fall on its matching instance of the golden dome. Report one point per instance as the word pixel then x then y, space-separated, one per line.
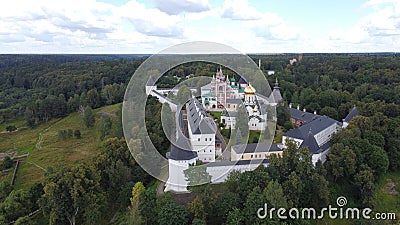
pixel 249 90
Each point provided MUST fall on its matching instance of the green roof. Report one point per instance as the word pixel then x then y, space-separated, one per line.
pixel 206 102
pixel 241 90
pixel 233 86
pixel 208 95
pixel 233 79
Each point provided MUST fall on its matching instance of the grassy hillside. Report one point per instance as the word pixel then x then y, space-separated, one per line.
pixel 46 149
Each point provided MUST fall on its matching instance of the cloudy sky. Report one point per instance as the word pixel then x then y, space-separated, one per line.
pixel 251 26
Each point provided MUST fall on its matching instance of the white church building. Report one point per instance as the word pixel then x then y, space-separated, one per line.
pixel 198 140
pixel 226 95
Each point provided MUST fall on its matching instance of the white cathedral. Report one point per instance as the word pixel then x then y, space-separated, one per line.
pixel 226 95
pixel 199 140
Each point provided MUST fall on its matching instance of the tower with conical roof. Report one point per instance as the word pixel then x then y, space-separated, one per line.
pixel 276 94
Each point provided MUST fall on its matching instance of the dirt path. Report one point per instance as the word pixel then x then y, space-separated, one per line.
pixel 39 142
pixel 40 139
pixel 30 162
pixel 38 146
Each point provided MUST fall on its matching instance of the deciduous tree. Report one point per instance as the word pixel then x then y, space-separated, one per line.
pixel 341 162
pixel 283 114
pixel 88 117
pixel 364 181
pixel 105 127
pixel 73 196
pixel 235 217
pixel 29 118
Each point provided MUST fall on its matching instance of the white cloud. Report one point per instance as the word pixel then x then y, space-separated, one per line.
pixel 383 22
pixel 41 22
pixel 273 27
pixel 78 24
pixel 210 14
pixel 92 26
pixel 11 38
pixel 266 25
pixel 239 10
pixel 355 35
pixel 20 10
pixel 377 31
pixel 175 7
pixel 151 22
pixel 378 3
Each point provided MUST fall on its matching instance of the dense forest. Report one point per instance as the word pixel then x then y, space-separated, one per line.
pixel 40 88
pixel 52 86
